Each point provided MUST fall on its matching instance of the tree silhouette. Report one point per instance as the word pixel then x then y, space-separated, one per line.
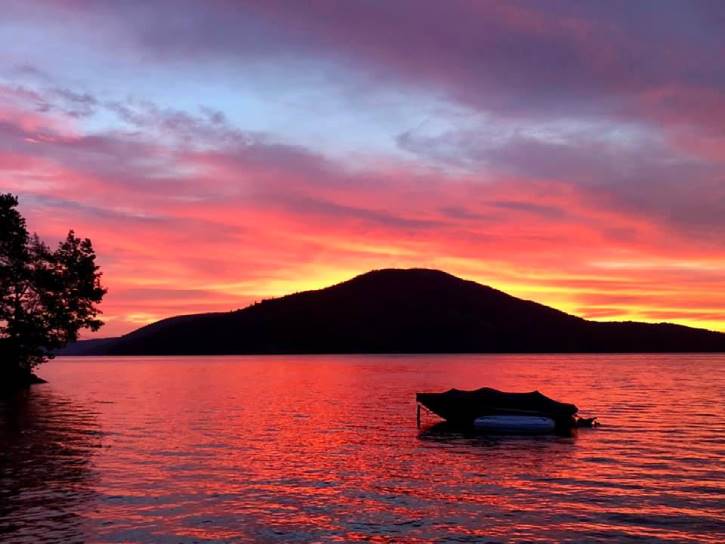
pixel 46 296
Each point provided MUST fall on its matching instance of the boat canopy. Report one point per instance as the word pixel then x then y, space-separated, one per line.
pixel 460 406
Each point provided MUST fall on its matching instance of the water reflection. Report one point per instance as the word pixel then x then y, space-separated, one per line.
pixel 324 449
pixel 47 444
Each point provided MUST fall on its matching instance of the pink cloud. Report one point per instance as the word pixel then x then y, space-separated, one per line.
pixel 605 196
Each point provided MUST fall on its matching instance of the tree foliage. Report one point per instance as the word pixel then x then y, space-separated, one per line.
pixel 46 296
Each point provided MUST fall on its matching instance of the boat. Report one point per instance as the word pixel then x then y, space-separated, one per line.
pixel 498 411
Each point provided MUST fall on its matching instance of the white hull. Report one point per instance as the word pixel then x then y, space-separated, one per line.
pixel 515 424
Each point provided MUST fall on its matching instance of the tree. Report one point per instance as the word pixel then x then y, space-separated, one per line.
pixel 46 296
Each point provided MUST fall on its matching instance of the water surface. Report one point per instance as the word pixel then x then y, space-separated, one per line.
pixel 325 448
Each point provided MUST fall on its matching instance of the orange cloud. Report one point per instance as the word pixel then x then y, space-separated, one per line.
pixel 180 229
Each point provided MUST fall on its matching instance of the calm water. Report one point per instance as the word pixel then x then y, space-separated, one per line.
pixel 319 449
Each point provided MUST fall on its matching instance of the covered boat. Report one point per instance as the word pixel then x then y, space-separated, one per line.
pixel 465 407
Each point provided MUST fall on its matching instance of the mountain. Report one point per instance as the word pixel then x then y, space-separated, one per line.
pixel 87 347
pixel 400 311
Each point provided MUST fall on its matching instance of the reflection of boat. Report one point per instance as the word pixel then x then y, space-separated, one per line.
pixel 492 410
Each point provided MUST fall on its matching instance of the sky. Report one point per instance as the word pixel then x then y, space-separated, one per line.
pixel 224 152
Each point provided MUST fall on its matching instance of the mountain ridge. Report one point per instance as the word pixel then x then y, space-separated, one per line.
pixel 399 311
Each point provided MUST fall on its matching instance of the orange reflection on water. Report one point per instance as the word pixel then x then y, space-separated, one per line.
pixel 325 448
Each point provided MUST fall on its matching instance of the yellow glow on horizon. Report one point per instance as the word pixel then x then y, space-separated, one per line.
pixel 142 318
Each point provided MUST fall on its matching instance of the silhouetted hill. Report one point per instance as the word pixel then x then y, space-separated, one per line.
pixel 86 347
pixel 402 311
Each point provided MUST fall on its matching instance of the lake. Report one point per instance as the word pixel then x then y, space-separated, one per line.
pixel 326 449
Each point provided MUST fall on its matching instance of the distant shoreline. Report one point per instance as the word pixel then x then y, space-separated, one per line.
pixel 400 354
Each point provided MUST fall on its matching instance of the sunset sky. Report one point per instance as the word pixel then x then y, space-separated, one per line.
pixel 218 153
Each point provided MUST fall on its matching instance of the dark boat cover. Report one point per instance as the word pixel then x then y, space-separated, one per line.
pixel 462 407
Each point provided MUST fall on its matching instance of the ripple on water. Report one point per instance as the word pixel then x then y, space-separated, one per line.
pixel 325 449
